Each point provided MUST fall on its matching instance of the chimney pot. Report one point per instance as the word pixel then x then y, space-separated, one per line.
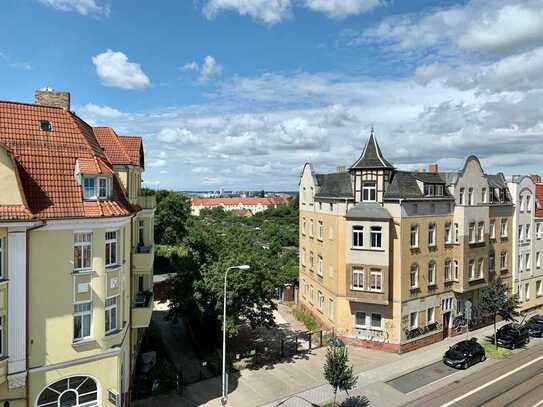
pixel 536 178
pixel 340 168
pixel 49 97
pixel 433 168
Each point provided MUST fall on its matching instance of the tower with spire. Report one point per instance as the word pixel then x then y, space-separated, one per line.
pixel 371 173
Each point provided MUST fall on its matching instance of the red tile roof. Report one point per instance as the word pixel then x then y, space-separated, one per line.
pixel 276 200
pixel 539 195
pixel 119 149
pixel 45 163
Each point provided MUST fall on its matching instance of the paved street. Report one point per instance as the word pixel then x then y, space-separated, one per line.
pixel 513 382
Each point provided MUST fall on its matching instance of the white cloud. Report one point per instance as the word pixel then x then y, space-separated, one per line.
pixel 484 26
pixel 180 136
pixel 83 7
pixel 115 70
pixel 191 66
pixel 100 112
pixel 158 163
pixel 25 66
pixel 342 8
pixel 266 11
pixel 209 69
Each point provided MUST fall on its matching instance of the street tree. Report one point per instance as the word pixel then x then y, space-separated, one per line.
pixel 495 301
pixel 337 372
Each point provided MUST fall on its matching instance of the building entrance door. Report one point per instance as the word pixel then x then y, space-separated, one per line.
pixel 446 320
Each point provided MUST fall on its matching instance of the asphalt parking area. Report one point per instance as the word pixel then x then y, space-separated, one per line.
pixel 421 377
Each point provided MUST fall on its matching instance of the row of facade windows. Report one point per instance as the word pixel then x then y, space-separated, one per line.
pixel 524 292
pixel 524 232
pixel 494 195
pixel 320 263
pixel 316 298
pixel 320 229
pixel 525 264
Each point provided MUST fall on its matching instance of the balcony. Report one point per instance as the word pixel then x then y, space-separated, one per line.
pixel 143 258
pixel 146 202
pixel 142 309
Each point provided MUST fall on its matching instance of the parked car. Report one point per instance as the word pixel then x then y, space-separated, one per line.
pixel 536 317
pixel 464 354
pixel 534 326
pixel 513 335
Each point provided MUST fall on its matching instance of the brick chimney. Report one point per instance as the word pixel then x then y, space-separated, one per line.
pixel 433 168
pixel 340 168
pixel 52 98
pixel 536 178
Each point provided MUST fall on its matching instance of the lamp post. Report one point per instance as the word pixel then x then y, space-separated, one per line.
pixel 224 398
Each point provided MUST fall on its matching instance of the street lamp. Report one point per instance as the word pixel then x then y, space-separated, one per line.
pixel 224 399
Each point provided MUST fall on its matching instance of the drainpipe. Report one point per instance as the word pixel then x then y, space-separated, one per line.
pixel 401 259
pixel 27 390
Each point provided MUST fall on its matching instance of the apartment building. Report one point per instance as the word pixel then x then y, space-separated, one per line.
pixel 76 257
pixel 390 258
pixel 229 204
pixel 527 194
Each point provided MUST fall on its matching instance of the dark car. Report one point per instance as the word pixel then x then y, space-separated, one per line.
pixel 513 335
pixel 464 354
pixel 534 326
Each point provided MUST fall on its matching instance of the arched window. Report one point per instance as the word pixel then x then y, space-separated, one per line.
pixel 76 391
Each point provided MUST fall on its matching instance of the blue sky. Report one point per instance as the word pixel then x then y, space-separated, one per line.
pixel 241 93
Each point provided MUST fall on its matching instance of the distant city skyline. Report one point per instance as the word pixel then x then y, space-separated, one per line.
pixel 243 93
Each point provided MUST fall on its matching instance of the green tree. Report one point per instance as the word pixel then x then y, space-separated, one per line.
pixel 337 372
pixel 172 213
pixel 495 301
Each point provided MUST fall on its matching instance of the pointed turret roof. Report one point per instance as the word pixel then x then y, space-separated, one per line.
pixel 371 157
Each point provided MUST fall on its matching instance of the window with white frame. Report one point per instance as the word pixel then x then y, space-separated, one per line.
pixel 304 226
pixel 103 188
pixel 430 315
pixel 320 267
pixel 358 236
pixel 471 268
pixel 321 230
pixel 481 232
pixel 456 233
pixel 331 309
pixel 89 187
pixel 483 195
pixel 528 234
pixel 472 232
pixel 311 227
pixel 492 230
pixel 521 206
pixel 376 281
pixel 480 266
pixel 432 234
pixel 538 288
pixel 470 197
pixel 414 236
pixel 456 269
pixel 376 320
pixel 503 260
pixel 539 230
pixel 520 262
pixel 413 320
pixel 111 314
pixel 538 259
pixel 520 233
pixel 111 248
pixel 528 262
pixel 70 391
pixel 462 199
pixel 321 301
pixel 360 319
pixel 527 291
pixel 376 237
pixel 311 264
pixel 448 233
pixel 448 270
pixel 414 276
pixel 82 251
pixel 369 192
pixel 431 273
pixel 358 279
pixel 82 320
pixel 491 263
pixel 503 228
pixel 528 203
pixel 303 256
pixel 141 232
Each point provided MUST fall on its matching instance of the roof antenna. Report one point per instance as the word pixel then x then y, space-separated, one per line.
pixel 371 134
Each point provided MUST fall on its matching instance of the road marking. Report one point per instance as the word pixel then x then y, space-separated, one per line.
pixel 540 403
pixel 490 383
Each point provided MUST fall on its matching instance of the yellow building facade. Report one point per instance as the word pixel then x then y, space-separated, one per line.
pixel 76 258
pixel 390 258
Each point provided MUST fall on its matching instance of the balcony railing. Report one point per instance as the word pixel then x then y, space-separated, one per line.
pixel 142 310
pixel 146 202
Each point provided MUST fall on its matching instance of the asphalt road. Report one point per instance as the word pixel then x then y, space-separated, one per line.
pixel 517 381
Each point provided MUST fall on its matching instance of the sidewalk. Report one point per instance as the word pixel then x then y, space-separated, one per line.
pixel 371 382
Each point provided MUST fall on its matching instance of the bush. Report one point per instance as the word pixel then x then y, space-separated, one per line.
pixel 309 322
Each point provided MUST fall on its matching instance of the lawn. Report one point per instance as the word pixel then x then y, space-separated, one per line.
pixel 492 352
pixel 309 322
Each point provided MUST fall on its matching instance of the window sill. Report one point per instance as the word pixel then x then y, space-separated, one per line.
pixel 368 249
pixel 82 272
pixel 432 285
pixel 113 333
pixel 83 342
pixel 113 267
pixel 357 289
pixel 476 279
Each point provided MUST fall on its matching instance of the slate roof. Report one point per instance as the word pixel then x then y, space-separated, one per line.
pixel 45 164
pixel 497 181
pixel 371 157
pixel 368 210
pixel 404 185
pixel 334 185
